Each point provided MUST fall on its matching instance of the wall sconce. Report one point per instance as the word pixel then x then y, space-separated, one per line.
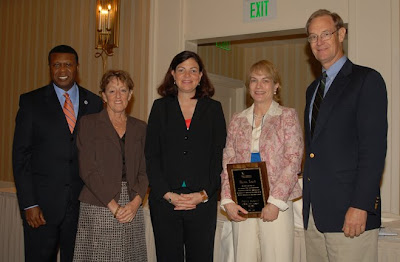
pixel 107 28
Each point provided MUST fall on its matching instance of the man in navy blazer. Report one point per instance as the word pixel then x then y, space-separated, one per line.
pixel 346 140
pixel 45 160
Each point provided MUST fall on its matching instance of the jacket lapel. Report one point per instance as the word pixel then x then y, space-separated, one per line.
pixel 268 131
pixel 199 110
pixel 335 90
pixel 130 137
pixel 83 102
pixel 54 108
pixel 108 129
pixel 174 113
pixel 309 94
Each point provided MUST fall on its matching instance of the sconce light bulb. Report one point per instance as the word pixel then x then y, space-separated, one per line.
pixel 109 7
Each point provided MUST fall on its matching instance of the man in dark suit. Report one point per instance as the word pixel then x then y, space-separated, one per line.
pixel 345 132
pixel 45 161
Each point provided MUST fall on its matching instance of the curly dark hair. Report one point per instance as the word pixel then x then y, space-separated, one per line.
pixel 168 87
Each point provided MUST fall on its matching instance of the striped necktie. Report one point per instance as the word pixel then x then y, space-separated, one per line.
pixel 68 109
pixel 319 96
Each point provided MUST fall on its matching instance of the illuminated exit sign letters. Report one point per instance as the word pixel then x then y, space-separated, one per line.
pixel 258 10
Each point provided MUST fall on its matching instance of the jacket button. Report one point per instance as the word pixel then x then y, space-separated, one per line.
pixel 312 155
pixel 186 137
pixel 185 153
pixel 309 179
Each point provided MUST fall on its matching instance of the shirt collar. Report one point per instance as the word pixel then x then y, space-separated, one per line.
pixel 273 110
pixel 334 69
pixel 73 92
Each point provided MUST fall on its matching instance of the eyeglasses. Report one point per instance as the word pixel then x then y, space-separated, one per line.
pixel 324 36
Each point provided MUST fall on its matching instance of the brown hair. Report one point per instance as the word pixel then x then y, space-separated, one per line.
pixel 268 68
pixel 322 12
pixel 168 87
pixel 121 75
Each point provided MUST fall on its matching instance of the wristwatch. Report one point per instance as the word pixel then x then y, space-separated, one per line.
pixel 204 197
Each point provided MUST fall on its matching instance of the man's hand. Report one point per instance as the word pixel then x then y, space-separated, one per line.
pixel 34 217
pixel 354 222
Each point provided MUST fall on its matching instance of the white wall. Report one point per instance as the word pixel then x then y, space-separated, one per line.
pixel 216 18
pixel 373 41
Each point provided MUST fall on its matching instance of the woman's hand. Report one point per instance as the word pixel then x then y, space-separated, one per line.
pixel 189 200
pixel 128 212
pixel 113 206
pixel 269 213
pixel 182 201
pixel 232 209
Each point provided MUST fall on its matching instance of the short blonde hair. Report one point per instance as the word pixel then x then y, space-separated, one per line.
pixel 268 68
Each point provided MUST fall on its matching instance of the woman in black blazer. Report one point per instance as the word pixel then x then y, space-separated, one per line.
pixel 185 138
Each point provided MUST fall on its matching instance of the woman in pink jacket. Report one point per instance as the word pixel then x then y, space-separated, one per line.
pixel 266 132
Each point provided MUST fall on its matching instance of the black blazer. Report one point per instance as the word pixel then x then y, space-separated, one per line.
pixel 346 156
pixel 45 159
pixel 175 154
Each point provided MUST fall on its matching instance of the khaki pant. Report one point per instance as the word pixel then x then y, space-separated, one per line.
pixel 336 247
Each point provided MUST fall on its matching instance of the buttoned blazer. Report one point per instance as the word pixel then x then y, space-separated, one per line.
pixel 345 157
pixel 281 147
pixel 100 159
pixel 45 162
pixel 175 154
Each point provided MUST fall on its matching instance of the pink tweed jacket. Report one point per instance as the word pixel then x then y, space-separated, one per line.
pixel 281 147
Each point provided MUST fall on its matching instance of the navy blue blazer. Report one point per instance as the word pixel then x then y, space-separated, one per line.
pixel 346 156
pixel 45 161
pixel 175 154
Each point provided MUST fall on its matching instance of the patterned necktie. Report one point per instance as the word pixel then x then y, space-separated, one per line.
pixel 68 109
pixel 319 96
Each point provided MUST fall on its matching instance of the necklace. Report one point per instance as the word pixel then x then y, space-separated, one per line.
pixel 258 117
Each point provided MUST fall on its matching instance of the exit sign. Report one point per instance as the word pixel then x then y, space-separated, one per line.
pixel 258 10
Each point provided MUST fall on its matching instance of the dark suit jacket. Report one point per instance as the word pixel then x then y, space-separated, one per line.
pixel 100 159
pixel 45 159
pixel 346 156
pixel 175 154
